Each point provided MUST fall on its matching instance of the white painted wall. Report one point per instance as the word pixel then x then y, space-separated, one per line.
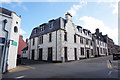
pixel 71 30
pixel 24 54
pixel 12 56
pixel 11 23
pixel 102 45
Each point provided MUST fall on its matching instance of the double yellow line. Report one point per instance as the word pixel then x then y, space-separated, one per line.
pixel 30 67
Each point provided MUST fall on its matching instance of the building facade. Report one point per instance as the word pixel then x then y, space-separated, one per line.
pixel 111 45
pixel 100 43
pixel 60 40
pixel 9 37
pixel 24 53
pixel 22 44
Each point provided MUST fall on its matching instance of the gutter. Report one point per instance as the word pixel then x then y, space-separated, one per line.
pixel 4 49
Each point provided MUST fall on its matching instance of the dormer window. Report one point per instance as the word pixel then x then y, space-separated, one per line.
pixel 85 32
pixel 51 25
pixel 90 34
pixel 42 28
pixel 79 29
pixel 35 31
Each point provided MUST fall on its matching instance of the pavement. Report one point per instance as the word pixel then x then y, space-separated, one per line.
pixel 101 67
pixel 19 68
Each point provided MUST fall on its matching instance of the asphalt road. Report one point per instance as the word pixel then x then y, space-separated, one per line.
pixel 86 68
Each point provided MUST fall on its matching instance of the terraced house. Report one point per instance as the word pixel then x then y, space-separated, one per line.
pixel 60 40
pixel 100 43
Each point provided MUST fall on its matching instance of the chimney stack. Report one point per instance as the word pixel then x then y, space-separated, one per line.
pixel 68 17
pixel 27 40
pixel 97 30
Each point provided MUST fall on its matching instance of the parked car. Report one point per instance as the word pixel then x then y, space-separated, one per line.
pixel 116 56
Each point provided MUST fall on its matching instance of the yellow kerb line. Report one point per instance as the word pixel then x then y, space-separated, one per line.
pixel 30 67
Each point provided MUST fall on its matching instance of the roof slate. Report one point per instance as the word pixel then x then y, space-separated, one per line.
pixel 56 23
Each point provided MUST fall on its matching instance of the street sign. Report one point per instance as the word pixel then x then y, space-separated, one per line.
pixel 14 43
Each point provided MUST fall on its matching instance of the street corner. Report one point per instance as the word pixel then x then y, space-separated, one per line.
pixel 20 68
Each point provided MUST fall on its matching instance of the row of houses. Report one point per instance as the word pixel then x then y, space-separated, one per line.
pixel 61 40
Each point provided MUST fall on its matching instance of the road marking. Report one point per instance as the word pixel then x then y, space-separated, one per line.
pixel 109 64
pixel 30 67
pixel 18 68
pixel 20 77
pixel 109 72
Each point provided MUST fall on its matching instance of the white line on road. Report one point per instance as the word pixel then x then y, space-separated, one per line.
pixel 109 72
pixel 20 77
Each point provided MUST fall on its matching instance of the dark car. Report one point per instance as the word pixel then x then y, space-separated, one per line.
pixel 116 56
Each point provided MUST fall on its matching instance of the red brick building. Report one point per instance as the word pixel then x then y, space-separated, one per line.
pixel 22 44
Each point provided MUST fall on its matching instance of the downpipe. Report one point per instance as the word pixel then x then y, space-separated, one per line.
pixel 4 49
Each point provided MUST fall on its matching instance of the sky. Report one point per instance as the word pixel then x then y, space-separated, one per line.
pixel 89 15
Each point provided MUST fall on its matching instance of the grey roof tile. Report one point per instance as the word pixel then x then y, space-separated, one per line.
pixel 56 26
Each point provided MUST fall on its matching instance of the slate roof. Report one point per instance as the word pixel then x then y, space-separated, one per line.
pixel 56 26
pixel 58 23
pixel 100 37
pixel 7 12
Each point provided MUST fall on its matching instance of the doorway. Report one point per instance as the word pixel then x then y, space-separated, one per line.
pixel 40 54
pixel 98 51
pixel 75 53
pixel 33 52
pixel 87 53
pixel 50 54
pixel 65 53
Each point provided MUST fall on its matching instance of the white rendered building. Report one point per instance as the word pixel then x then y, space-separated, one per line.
pixel 60 40
pixel 24 53
pixel 9 36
